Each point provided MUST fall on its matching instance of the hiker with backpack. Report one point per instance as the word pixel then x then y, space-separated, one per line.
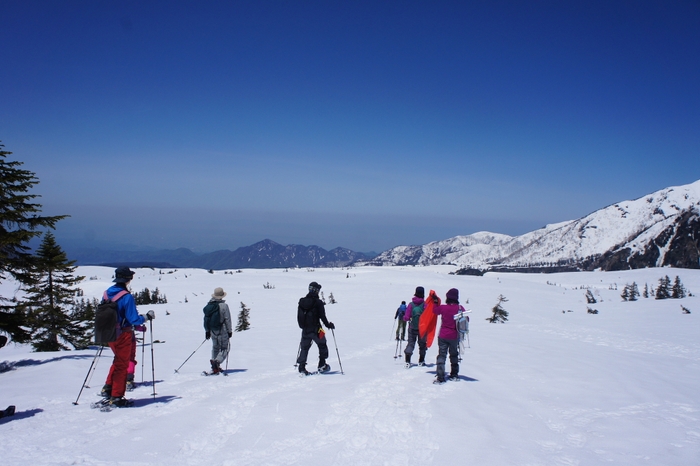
pixel 127 317
pixel 401 328
pixel 310 313
pixel 449 336
pixel 413 312
pixel 218 328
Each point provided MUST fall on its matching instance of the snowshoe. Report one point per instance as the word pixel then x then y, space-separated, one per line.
pixel 324 368
pixel 106 391
pixel 453 378
pixel 104 403
pixel 408 365
pixel 438 381
pixel 130 385
pixel 421 363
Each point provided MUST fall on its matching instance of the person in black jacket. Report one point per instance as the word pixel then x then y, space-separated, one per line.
pixel 310 313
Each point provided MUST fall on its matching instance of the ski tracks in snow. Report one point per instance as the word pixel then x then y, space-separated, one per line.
pixel 379 424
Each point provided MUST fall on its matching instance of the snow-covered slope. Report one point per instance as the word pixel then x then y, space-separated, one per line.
pixel 629 225
pixel 548 387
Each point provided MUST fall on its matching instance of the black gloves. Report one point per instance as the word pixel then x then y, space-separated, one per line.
pixel 230 334
pixel 150 315
pixel 330 325
pixel 207 335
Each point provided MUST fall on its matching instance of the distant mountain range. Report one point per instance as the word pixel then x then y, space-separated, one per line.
pixel 660 229
pixel 262 255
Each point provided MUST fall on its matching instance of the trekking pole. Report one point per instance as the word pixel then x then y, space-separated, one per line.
pixel 143 351
pixel 336 352
pixel 188 358
pixel 392 328
pixel 298 353
pixel 94 368
pixel 97 354
pixel 396 351
pixel 153 368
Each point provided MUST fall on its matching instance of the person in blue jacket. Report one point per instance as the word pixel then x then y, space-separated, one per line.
pixel 401 327
pixel 127 318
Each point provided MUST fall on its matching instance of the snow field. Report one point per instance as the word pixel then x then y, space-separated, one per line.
pixel 547 387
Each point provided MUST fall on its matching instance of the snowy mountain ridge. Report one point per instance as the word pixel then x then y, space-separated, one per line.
pixel 662 228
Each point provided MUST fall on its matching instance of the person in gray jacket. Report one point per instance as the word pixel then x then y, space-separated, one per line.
pixel 219 330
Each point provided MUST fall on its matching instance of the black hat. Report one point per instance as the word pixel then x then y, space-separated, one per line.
pixel 123 274
pixel 420 292
pixel 314 287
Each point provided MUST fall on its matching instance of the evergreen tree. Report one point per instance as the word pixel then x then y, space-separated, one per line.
pixel 646 291
pixel 590 298
pixel 663 291
pixel 243 318
pixel 50 301
pixel 625 293
pixel 500 315
pixel 20 221
pixel 677 290
pixel 633 292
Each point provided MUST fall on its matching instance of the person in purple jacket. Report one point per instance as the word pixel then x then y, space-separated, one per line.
pixel 448 338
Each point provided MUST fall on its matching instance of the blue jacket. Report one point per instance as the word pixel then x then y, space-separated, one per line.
pixel 127 315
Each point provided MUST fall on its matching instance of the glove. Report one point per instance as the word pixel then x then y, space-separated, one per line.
pixel 151 315
pixel 436 300
pixel 330 325
pixel 230 334
pixel 207 335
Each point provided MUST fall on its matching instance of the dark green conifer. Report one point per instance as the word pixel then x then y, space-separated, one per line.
pixel 20 222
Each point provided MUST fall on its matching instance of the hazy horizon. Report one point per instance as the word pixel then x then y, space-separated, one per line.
pixel 365 125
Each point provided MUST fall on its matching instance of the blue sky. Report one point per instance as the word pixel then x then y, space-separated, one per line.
pixel 366 125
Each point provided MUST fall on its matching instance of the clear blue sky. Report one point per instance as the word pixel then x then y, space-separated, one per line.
pixel 365 125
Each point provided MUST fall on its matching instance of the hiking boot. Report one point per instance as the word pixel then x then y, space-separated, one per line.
pixel 120 402
pixel 438 381
pixel 10 411
pixel 302 370
pixel 324 368
pixel 130 385
pixel 421 363
pixel 106 391
pixel 453 377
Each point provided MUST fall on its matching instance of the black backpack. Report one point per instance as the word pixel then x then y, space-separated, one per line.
pixel 106 319
pixel 306 315
pixel 212 317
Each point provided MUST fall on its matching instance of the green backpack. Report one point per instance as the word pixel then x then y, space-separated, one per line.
pixel 212 317
pixel 416 312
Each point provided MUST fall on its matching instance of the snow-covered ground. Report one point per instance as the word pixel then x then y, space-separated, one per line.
pixel 549 387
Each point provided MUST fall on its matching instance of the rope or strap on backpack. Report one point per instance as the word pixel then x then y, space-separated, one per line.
pixel 116 298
